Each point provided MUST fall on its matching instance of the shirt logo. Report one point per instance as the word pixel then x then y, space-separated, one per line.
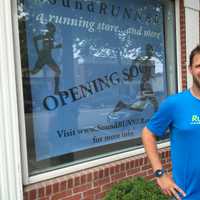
pixel 195 119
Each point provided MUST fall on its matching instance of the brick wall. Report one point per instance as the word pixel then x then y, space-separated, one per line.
pixel 183 46
pixel 92 184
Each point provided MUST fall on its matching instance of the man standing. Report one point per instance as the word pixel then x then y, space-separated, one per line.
pixel 180 114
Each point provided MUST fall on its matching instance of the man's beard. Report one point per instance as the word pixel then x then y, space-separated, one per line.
pixel 196 82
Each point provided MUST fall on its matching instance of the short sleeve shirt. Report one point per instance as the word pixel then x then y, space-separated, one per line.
pixel 180 114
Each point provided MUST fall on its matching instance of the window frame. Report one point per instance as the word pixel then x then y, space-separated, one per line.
pixel 87 164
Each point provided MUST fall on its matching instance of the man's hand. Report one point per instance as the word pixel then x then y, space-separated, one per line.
pixel 169 187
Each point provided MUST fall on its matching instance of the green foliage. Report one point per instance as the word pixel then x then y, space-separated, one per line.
pixel 136 189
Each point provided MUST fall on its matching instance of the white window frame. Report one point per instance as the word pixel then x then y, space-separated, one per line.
pixel 10 155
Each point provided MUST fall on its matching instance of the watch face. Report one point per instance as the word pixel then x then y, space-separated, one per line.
pixel 159 172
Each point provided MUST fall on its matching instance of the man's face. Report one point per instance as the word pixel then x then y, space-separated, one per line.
pixel 195 70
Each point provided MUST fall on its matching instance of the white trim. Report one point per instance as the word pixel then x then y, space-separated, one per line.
pixel 21 112
pixel 178 45
pixel 90 164
pixel 192 4
pixel 10 156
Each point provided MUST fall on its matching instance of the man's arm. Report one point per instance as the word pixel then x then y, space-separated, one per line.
pixel 165 182
pixel 150 146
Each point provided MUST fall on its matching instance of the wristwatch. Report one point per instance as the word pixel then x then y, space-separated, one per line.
pixel 159 172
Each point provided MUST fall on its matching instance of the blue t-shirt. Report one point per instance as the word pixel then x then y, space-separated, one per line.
pixel 181 114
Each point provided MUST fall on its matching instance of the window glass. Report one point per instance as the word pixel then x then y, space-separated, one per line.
pixel 93 73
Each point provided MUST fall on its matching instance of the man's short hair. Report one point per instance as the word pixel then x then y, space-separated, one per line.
pixel 194 52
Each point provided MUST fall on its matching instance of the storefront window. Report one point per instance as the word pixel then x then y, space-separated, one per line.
pixel 93 74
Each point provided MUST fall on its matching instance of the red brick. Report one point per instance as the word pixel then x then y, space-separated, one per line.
pixel 55 187
pixel 102 181
pixel 91 192
pixel 106 172
pixel 75 197
pixel 96 175
pixel 150 171
pixel 182 19
pixel 63 185
pixel 141 161
pixel 70 183
pixel 136 163
pixel 132 171
pixel 141 174
pixel 32 194
pixel 112 170
pixel 118 176
pixel 101 173
pixel 82 188
pixel 77 181
pixel 183 44
pixel 127 165
pixel 61 195
pixel 48 190
pixel 132 164
pixel 168 153
pixel 41 192
pixel 145 167
pixel 122 167
pixel 83 179
pixel 117 167
pixel 167 165
pixel 89 177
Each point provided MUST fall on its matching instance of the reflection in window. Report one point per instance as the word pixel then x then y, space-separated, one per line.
pixel 92 77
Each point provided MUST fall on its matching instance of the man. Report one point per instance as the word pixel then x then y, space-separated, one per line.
pixel 146 66
pixel 45 54
pixel 180 114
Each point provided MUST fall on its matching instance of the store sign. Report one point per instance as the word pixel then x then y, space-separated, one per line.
pixel 96 71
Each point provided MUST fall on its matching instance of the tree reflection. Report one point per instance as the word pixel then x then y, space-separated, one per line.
pixel 120 47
